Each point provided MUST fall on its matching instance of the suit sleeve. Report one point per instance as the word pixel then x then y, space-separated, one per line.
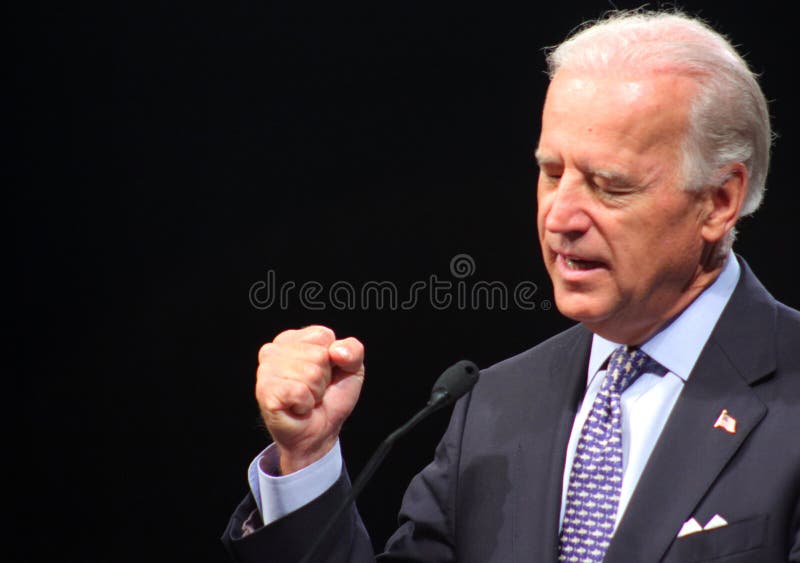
pixel 794 548
pixel 426 529
pixel 288 539
pixel 426 520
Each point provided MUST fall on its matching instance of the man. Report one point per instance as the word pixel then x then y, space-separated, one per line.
pixel 663 426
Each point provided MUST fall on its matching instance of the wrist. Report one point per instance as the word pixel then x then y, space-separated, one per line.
pixel 292 460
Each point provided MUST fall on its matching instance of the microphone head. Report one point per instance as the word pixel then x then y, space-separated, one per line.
pixel 454 382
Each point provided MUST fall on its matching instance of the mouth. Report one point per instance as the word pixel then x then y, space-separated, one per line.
pixel 572 266
pixel 574 263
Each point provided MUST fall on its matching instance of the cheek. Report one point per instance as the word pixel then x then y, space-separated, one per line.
pixel 542 209
pixel 540 217
pixel 679 233
pixel 541 231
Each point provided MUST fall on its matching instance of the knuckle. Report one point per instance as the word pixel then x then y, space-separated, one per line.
pixel 285 336
pixel 265 351
pixel 320 332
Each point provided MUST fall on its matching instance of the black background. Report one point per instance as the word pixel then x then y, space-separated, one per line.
pixel 162 157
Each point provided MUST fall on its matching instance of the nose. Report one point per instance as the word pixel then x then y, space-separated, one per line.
pixel 564 206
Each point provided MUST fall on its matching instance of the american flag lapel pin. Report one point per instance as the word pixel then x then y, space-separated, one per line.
pixel 726 422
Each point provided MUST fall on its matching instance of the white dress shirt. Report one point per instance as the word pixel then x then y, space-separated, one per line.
pixel 646 406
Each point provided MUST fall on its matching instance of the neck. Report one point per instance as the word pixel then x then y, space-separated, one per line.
pixel 639 329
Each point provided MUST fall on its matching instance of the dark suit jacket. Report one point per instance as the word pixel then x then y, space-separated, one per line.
pixel 493 491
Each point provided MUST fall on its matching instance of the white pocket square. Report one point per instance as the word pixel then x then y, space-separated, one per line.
pixel 692 526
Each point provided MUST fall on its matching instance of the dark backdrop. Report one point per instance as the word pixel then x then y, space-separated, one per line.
pixel 172 154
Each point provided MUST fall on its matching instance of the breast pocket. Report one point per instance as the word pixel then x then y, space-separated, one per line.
pixel 737 538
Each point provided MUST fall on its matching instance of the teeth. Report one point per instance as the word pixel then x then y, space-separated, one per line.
pixel 575 264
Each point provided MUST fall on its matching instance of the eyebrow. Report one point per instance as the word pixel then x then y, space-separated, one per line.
pixel 613 177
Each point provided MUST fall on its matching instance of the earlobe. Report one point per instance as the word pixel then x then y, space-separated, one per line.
pixel 724 202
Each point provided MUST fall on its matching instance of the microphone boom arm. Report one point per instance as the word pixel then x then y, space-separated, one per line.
pixel 452 384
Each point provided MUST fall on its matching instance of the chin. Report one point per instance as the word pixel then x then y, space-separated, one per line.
pixel 582 309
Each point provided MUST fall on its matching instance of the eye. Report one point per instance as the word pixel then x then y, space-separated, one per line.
pixel 599 183
pixel 550 172
pixel 609 186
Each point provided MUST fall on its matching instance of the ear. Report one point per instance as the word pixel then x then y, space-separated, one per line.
pixel 723 203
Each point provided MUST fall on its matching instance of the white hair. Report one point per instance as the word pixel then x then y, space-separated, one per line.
pixel 728 119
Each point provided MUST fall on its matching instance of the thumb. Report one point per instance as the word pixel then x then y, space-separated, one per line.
pixel 347 355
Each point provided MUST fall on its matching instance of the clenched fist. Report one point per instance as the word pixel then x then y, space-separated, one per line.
pixel 307 384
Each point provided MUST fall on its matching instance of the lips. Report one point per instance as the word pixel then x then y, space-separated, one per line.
pixel 574 266
pixel 575 263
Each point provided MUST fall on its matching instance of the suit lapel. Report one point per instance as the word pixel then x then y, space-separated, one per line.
pixel 691 453
pixel 541 466
pixel 687 459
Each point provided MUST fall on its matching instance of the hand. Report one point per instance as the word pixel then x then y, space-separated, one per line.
pixel 307 384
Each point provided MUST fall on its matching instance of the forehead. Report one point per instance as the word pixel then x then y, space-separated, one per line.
pixel 613 113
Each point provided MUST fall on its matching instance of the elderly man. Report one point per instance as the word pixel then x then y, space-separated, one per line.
pixel 664 426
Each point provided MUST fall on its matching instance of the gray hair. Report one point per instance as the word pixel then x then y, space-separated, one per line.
pixel 728 120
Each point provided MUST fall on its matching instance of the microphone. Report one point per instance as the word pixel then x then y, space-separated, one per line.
pixel 454 382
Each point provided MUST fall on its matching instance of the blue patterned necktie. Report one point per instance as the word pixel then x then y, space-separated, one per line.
pixel 596 476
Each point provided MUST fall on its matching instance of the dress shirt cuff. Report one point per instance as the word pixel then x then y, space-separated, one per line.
pixel 278 495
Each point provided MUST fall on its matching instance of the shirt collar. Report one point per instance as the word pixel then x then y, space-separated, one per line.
pixel 678 345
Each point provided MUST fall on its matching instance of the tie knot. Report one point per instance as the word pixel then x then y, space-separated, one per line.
pixel 624 366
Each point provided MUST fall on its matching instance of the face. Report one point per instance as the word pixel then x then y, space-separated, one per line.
pixel 622 242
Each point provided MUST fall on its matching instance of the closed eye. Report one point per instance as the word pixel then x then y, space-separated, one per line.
pixel 611 184
pixel 551 172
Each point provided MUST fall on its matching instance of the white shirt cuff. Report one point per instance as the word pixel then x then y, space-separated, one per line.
pixel 278 495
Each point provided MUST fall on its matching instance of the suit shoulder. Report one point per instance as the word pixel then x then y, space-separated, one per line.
pixel 788 336
pixel 788 318
pixel 541 353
